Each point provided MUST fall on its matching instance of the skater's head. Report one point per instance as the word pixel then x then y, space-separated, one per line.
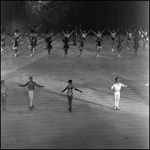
pixel 117 79
pixel 30 78
pixel 2 82
pixel 70 81
pixel 84 31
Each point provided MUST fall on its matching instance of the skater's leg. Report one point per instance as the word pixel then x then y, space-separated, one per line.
pixel 31 95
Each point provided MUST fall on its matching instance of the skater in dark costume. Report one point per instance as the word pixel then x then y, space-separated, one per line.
pixel 31 45
pixel 136 40
pixel 129 36
pixel 48 41
pixel 113 37
pixel 119 46
pixel 66 46
pixel 16 40
pixel 75 36
pixel 70 95
pixel 99 44
pixel 34 29
pixel 31 86
pixel 99 33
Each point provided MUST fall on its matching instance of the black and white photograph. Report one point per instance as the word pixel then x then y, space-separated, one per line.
pixel 74 74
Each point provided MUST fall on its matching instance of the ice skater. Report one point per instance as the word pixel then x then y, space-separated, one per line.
pixel 144 36
pixel 81 46
pixel 129 36
pixel 99 33
pixel 66 33
pixel 113 37
pixel 84 34
pixel 66 46
pixel 117 87
pixel 16 40
pixel 119 46
pixel 74 34
pixel 31 86
pixel 34 29
pixel 48 41
pixel 2 42
pixel 31 45
pixel 99 44
pixel 3 95
pixel 70 95
pixel 136 45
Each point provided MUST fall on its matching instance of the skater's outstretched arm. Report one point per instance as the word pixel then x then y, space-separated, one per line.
pixel 78 90
pixel 64 90
pixel 39 85
pixel 123 85
pixel 23 85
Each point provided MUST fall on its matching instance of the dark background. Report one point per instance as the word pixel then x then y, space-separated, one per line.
pixel 91 14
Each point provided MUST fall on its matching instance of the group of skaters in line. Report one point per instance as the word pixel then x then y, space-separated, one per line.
pixel 70 87
pixel 139 34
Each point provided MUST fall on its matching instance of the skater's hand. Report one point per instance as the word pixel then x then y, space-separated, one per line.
pixel 81 91
pixel 42 86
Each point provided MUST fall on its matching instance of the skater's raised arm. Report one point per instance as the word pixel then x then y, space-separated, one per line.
pixel 133 31
pixel 117 30
pixel 102 31
pixel 126 31
pixel 63 32
pixel 70 33
pixel 94 32
pixel 39 27
pixel 69 25
pixel 94 38
pixel 80 31
pixel 88 32
pixel 109 31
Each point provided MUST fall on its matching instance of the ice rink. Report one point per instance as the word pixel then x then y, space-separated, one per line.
pixel 93 123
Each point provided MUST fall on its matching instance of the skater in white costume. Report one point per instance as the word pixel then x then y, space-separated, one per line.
pixel 117 87
pixel 31 85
